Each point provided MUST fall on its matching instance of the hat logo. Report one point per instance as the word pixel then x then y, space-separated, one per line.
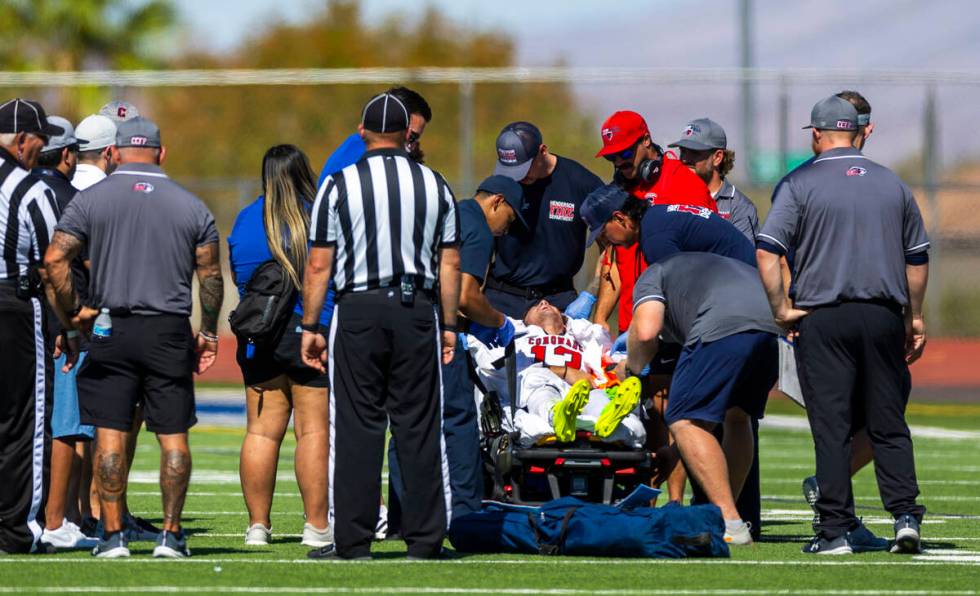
pixel 845 125
pixel 137 140
pixel 507 156
pixel 609 133
pixel 691 129
pixel 855 171
pixel 121 111
pixel 143 187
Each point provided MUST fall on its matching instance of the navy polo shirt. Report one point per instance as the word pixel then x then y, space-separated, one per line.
pixel 669 229
pixel 475 240
pixel 551 249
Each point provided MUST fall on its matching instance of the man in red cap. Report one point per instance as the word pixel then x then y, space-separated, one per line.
pixel 647 173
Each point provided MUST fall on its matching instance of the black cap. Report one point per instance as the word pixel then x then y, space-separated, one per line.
pixel 517 144
pixel 385 113
pixel 22 115
pixel 508 187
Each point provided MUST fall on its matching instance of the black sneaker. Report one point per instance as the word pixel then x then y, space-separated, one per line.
pixel 811 492
pixel 138 529
pixel 329 553
pixel 114 546
pixel 171 545
pixel 863 540
pixel 89 526
pixel 444 554
pixel 907 538
pixel 822 546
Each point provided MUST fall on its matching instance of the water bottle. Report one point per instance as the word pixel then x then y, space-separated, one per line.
pixel 103 324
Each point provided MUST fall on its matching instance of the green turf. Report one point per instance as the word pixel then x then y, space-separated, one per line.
pixel 949 471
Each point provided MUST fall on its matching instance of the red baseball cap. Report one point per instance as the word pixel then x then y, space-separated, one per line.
pixel 620 131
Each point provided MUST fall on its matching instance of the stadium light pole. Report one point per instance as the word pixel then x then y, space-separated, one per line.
pixel 930 179
pixel 745 61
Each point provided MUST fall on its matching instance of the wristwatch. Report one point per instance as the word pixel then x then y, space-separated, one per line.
pixel 312 328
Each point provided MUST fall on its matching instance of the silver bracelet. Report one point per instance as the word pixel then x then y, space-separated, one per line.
pixel 208 337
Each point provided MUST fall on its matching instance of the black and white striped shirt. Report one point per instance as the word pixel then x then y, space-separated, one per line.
pixel 387 215
pixel 27 217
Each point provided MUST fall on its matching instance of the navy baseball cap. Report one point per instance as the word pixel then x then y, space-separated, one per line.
pixel 385 113
pixel 599 206
pixel 833 113
pixel 517 145
pixel 511 191
pixel 702 134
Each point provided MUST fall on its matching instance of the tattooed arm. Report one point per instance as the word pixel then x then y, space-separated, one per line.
pixel 211 296
pixel 57 273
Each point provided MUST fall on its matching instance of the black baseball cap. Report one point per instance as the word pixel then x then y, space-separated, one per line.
pixel 511 191
pixel 24 115
pixel 517 145
pixel 599 206
pixel 385 113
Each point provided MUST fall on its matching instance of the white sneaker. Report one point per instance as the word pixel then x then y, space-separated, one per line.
pixel 315 537
pixel 381 529
pixel 740 535
pixel 68 536
pixel 258 535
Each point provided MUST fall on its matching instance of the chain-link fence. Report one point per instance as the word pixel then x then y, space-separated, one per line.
pixel 218 123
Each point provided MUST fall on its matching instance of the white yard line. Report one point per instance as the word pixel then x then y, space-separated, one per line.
pixel 799 423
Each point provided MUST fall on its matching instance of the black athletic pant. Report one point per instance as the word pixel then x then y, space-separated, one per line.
pixel 385 368
pixel 25 421
pixel 851 364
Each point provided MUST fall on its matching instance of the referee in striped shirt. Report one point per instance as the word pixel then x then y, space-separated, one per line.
pixel 27 219
pixel 386 231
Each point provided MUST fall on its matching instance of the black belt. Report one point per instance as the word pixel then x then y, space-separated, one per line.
pixel 421 286
pixel 889 304
pixel 531 292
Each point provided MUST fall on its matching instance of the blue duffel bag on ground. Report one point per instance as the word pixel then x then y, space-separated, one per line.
pixel 569 526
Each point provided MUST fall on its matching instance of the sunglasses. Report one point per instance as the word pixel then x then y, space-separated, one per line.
pixel 413 137
pixel 625 154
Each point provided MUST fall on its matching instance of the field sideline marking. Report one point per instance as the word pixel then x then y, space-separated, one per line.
pixel 926 562
pixel 450 590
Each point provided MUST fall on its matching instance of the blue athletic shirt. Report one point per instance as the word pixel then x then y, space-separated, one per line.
pixel 247 249
pixel 551 250
pixel 669 229
pixel 349 152
pixel 476 239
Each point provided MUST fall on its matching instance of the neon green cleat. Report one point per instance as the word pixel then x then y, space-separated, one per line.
pixel 565 413
pixel 624 401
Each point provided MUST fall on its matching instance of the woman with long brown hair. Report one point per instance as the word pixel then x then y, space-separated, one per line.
pixel 277 383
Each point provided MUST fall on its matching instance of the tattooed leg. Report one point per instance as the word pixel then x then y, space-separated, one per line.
pixel 110 476
pixel 175 472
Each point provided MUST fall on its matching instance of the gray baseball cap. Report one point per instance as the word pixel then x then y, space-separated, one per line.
pixel 137 132
pixel 833 113
pixel 66 139
pixel 119 111
pixel 517 145
pixel 702 134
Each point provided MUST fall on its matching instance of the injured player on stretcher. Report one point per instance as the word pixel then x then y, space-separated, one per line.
pixel 562 382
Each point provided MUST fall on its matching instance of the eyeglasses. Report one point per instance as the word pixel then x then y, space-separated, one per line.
pixel 627 153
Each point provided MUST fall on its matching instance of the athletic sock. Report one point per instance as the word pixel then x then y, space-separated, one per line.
pixel 733 525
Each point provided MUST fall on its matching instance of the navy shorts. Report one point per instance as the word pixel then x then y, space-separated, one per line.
pixel 734 371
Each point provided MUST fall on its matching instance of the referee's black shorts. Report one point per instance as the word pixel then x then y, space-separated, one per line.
pixel 146 358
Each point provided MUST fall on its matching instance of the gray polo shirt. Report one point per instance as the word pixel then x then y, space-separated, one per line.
pixel 850 223
pixel 142 230
pixel 738 209
pixel 706 296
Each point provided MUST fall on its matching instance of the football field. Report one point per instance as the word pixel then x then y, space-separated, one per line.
pixel 948 462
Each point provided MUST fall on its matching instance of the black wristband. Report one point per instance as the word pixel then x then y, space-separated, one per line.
pixel 312 328
pixel 452 328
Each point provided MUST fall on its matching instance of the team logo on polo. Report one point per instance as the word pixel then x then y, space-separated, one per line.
pixel 856 171
pixel 561 211
pixel 143 187
pixel 507 156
